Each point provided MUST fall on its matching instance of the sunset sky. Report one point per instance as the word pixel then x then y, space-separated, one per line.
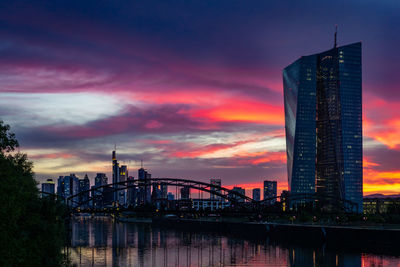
pixel 194 88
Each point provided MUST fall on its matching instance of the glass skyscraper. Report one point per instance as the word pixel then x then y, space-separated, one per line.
pixel 323 123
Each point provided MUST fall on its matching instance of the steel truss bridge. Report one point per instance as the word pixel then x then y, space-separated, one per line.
pixel 218 191
pixel 235 198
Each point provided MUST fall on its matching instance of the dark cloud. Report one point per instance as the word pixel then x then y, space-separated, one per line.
pixel 128 39
pixel 386 159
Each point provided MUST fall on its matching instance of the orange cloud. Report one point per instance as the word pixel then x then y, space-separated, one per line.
pixel 240 110
pixel 368 164
pixel 384 182
pixel 382 121
pixel 218 107
pixel 390 133
pixel 194 150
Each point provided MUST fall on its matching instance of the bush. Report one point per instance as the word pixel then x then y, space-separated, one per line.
pixel 31 228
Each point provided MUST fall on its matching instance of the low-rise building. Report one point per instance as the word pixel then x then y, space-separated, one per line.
pixel 211 204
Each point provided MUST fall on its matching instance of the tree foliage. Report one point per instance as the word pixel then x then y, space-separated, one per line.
pixel 31 228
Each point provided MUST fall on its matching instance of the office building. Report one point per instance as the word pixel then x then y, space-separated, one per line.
pixel 100 179
pixel 48 188
pixel 123 176
pixel 68 186
pixel 381 205
pixel 216 182
pixel 237 190
pixel 60 187
pixel 98 195
pixel 209 204
pixel 164 190
pixel 115 175
pixel 323 123
pixel 131 198
pixel 285 200
pixel 170 196
pixel 256 194
pixel 185 192
pixel 270 192
pixel 84 187
pixel 156 192
pixel 144 186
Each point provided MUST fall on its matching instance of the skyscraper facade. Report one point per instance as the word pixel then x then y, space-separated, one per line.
pixel 84 187
pixel 256 194
pixel 239 190
pixel 100 179
pixel 164 190
pixel 185 192
pixel 123 176
pixel 144 186
pixel 131 198
pixel 270 191
pixel 323 123
pixel 115 175
pixel 48 188
pixel 216 182
pixel 67 187
pixel 98 194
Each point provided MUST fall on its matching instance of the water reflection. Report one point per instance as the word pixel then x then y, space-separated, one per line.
pixel 103 242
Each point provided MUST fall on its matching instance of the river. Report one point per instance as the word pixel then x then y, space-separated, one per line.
pixel 101 241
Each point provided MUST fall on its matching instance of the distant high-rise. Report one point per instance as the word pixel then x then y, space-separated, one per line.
pixel 84 186
pixel 131 198
pixel 270 191
pixel 100 179
pixel 164 190
pixel 67 187
pixel 60 187
pixel 170 196
pixel 239 190
pixel 123 176
pixel 256 194
pixel 48 188
pixel 185 192
pixel 98 194
pixel 144 186
pixel 323 123
pixel 115 175
pixel 216 182
pixel 156 193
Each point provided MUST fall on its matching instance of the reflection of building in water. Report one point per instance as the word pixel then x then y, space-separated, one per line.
pixel 103 242
pixel 118 242
pixel 100 231
pixel 80 233
pixel 144 239
pixel 321 258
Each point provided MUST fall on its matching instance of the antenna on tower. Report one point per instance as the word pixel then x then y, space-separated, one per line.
pixel 115 147
pixel 335 35
pixel 141 163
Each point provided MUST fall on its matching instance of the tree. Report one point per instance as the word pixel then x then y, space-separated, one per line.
pixel 31 228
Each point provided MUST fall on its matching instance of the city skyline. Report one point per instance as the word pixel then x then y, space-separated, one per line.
pixel 191 103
